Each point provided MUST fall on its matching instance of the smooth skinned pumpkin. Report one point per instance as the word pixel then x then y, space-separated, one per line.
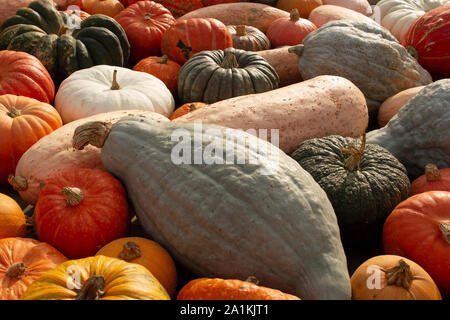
pixel 110 8
pixel 186 108
pixel 285 64
pixel 303 6
pixel 434 179
pixel 12 218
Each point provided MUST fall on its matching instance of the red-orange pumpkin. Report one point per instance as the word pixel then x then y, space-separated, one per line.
pixel 144 23
pixel 176 7
pixel 187 37
pixel 434 179
pixel 23 74
pixel 186 108
pixel 80 210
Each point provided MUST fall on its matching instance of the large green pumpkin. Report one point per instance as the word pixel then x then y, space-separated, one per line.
pixel 364 184
pixel 264 216
pixel 211 76
pixel 40 30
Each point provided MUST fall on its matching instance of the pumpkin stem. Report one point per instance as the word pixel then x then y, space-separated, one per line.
pixel 240 31
pixel 353 162
pixel 163 59
pixel 432 172
pixel 192 107
pixel 16 270
pixel 18 183
pixel 229 61
pixel 94 133
pixel 298 49
pixel 13 113
pixel 400 276
pixel 413 52
pixel 252 279
pixel 92 288
pixel 147 16
pixel 445 229
pixel 294 15
pixel 115 85
pixel 130 251
pixel 74 196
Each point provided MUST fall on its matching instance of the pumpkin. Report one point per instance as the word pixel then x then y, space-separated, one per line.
pixel 428 41
pixel 419 228
pixel 105 88
pixel 211 76
pixel 12 218
pixel 229 289
pixel 144 23
pixel 419 134
pixel 147 253
pixel 8 8
pixel 397 16
pixel 326 13
pixel 304 7
pixel 181 7
pixel 330 50
pixel 163 68
pixel 434 179
pixel 290 31
pixel 391 277
pixel 22 261
pixel 361 6
pixel 326 97
pixel 392 105
pixel 23 74
pixel 364 183
pixel 23 121
pixel 186 108
pixel 90 198
pixel 284 63
pixel 110 8
pixel 188 37
pixel 54 152
pixel 248 38
pixel 99 39
pixel 96 278
pixel 250 14
pixel 214 216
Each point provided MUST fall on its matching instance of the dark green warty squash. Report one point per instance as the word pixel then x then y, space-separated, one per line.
pixel 40 30
pixel 363 183
pixel 211 76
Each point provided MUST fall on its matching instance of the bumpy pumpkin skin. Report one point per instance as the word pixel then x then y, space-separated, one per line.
pixel 420 132
pixel 223 225
pixel 361 199
pixel 350 49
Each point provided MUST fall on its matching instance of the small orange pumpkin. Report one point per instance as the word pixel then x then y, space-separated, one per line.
pixel 304 6
pixel 434 179
pixel 186 108
pixel 12 218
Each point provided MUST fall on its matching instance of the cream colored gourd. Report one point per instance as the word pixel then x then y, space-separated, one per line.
pixel 326 13
pixel 319 107
pixel 361 6
pixel 104 88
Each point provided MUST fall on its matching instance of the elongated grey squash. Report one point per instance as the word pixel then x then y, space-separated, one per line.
pixel 420 133
pixel 265 218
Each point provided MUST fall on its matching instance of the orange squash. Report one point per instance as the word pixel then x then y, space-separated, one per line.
pixel 186 108
pixel 147 253
pixel 107 7
pixel 434 179
pixel 304 6
pixel 12 218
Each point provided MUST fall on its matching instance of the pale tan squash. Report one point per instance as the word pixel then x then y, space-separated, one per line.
pixel 284 63
pixel 326 13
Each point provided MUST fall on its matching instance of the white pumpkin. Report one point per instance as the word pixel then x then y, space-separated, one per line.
pixel 104 88
pixel 398 15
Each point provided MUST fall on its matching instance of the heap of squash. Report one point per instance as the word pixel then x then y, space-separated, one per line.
pixel 117 113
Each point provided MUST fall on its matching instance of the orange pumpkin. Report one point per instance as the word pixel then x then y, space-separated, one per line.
pixel 106 7
pixel 147 253
pixel 434 179
pixel 304 6
pixel 23 121
pixel 22 261
pixel 391 277
pixel 221 289
pixel 12 218
pixel 186 108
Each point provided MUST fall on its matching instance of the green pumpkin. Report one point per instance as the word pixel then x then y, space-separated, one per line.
pixel 211 76
pixel 40 30
pixel 364 184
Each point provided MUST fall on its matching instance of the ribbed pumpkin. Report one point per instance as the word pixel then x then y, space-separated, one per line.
pixel 392 277
pixel 364 183
pixel 41 32
pixel 331 50
pixel 23 121
pixel 248 38
pixel 229 289
pixel 434 179
pixel 144 23
pixel 186 108
pixel 187 37
pixel 90 198
pixel 23 74
pixel 163 68
pixel 147 253
pixel 12 218
pixel 428 41
pixel 97 278
pixel 292 31
pixel 212 76
pixel 304 7
pixel 419 228
pixel 22 261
